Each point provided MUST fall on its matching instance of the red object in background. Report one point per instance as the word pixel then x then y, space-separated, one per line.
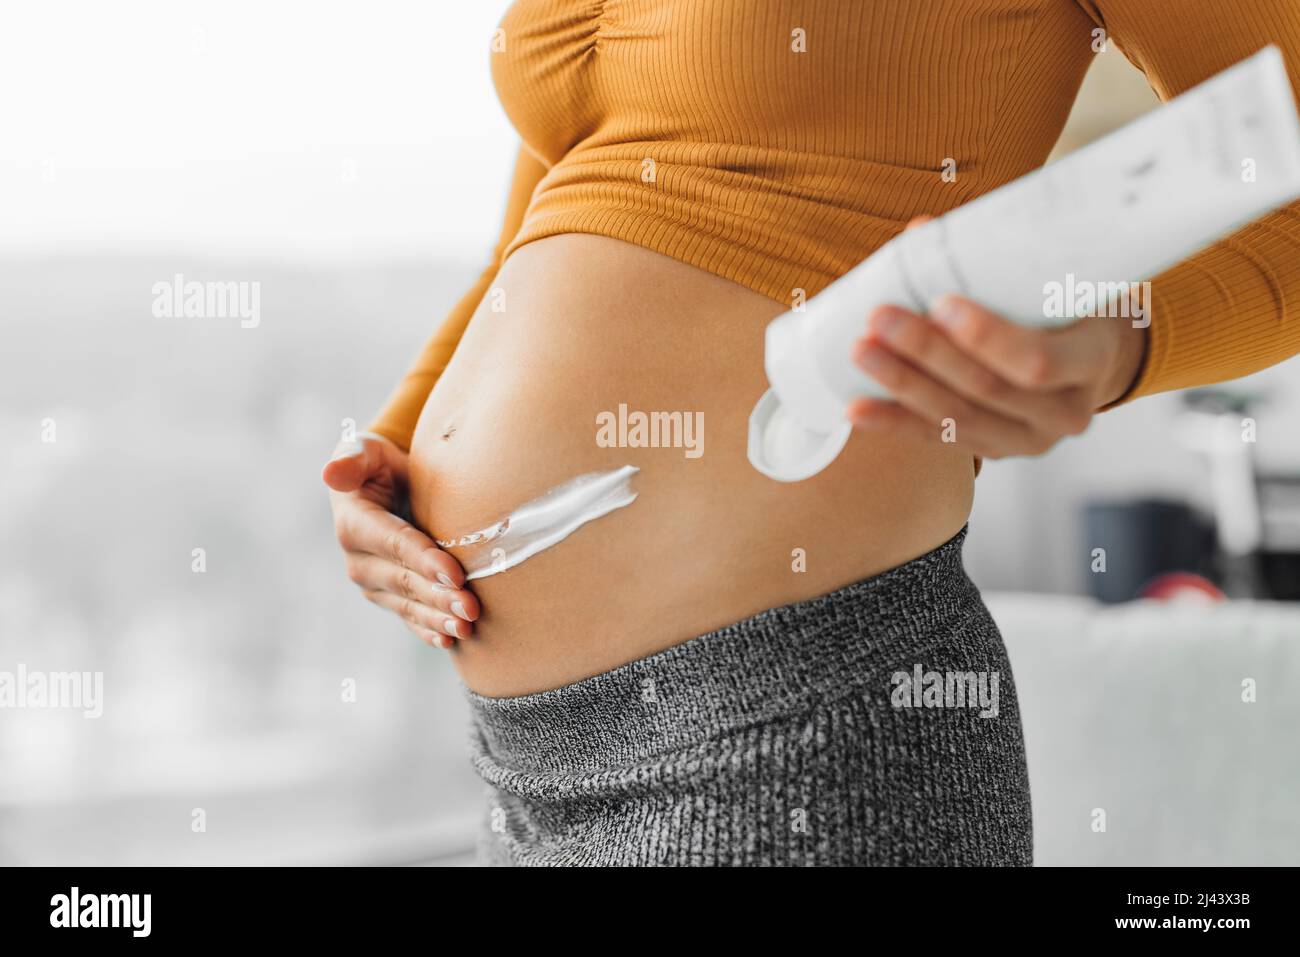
pixel 1175 585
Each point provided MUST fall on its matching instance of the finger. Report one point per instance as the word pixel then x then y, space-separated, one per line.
pixel 415 613
pixel 883 415
pixel 980 430
pixel 354 463
pixel 379 574
pixel 372 529
pixel 926 346
pixel 888 416
pixel 433 638
pixel 915 221
pixel 1029 358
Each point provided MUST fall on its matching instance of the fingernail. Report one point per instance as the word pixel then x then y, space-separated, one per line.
pixel 349 451
pixel 449 626
pixel 946 310
pixel 885 322
pixel 860 413
pixel 446 580
pixel 445 642
pixel 869 358
pixel 458 609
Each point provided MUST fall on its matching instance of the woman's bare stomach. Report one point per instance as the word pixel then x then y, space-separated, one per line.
pixel 577 326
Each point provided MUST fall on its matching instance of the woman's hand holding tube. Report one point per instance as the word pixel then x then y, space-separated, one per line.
pixel 990 385
pixel 396 565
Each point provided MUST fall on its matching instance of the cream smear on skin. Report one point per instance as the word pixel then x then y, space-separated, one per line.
pixel 543 522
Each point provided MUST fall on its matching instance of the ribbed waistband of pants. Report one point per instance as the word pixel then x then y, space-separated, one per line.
pixel 778 662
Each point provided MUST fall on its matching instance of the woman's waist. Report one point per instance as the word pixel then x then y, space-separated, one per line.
pixel 692 545
pixel 702 539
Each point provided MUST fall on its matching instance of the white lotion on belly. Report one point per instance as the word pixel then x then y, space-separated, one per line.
pixel 1118 211
pixel 543 522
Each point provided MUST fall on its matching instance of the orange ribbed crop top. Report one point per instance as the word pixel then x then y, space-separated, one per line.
pixel 778 143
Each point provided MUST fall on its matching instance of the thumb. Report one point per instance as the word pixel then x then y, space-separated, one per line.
pixel 915 221
pixel 354 463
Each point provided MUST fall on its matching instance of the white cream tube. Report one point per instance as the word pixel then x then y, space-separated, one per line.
pixel 1116 212
pixel 541 523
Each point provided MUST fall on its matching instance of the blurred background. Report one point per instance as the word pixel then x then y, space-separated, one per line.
pixel 352 159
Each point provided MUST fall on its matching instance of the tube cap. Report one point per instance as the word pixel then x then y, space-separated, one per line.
pixel 783 448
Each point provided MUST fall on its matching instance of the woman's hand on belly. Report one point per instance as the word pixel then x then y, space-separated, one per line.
pixel 396 565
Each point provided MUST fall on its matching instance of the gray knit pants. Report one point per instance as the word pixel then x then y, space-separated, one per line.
pixel 874 725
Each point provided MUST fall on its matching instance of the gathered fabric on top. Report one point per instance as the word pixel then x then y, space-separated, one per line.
pixel 778 143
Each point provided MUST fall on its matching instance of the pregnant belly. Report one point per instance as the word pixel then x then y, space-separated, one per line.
pixel 580 331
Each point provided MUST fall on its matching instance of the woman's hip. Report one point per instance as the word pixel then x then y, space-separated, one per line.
pixel 874 724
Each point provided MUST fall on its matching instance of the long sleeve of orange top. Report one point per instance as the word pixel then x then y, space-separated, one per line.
pixel 1233 308
pixel 396 421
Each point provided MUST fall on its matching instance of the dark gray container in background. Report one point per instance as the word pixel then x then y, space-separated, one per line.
pixel 1143 539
